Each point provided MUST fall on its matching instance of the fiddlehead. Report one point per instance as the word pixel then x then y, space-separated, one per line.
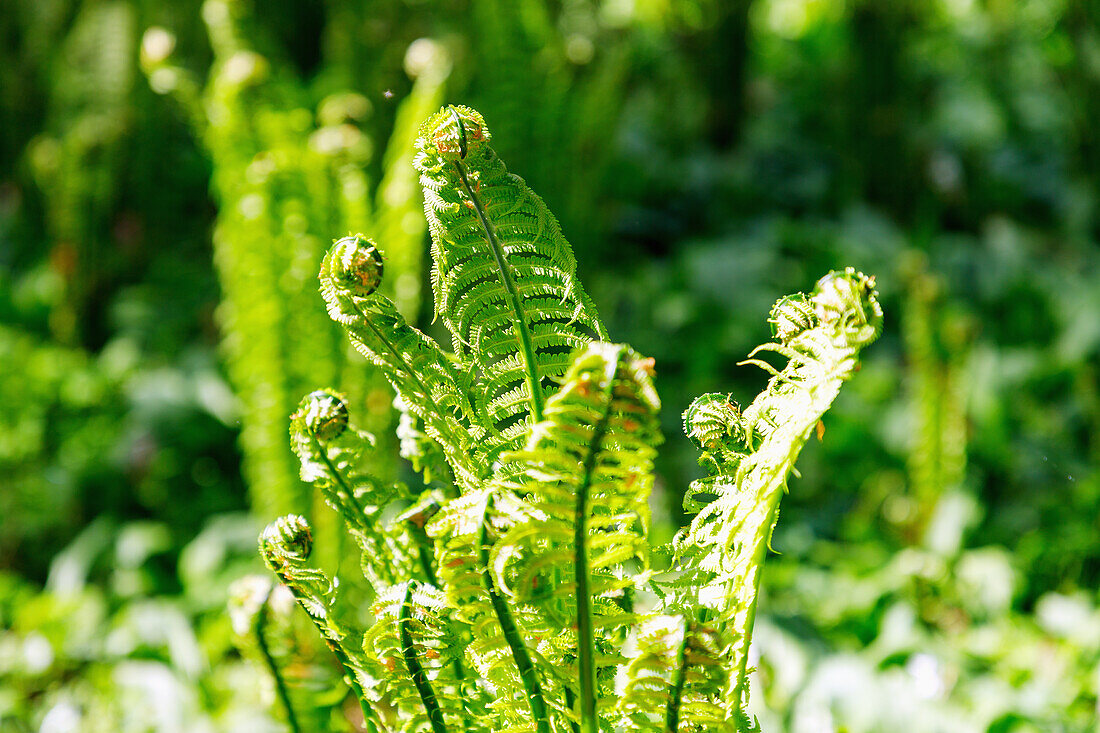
pixel 331 457
pixel 427 380
pixel 285 546
pixel 721 553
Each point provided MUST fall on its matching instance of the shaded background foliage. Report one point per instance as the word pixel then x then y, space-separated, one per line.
pixel 165 194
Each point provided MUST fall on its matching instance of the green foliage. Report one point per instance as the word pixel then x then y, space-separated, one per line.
pixel 539 541
pixel 722 551
pixel 938 558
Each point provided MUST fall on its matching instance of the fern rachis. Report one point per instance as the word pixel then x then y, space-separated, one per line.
pixel 504 590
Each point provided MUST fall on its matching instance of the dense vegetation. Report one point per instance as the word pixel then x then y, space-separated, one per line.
pixel 170 175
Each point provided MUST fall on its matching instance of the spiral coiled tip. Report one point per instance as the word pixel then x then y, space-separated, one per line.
pixel 454 133
pixel 323 413
pixel 352 265
pixel 714 421
pixel 790 316
pixel 287 539
pixel 849 300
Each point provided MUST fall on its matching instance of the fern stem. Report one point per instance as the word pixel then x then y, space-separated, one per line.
pixel 523 332
pixel 280 685
pixel 416 670
pixel 586 647
pixel 759 552
pixel 676 695
pixel 424 553
pixel 570 701
pixel 527 673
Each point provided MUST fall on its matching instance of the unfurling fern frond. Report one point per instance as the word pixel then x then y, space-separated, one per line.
pixel 330 452
pixel 504 278
pixel 750 455
pixel 427 380
pixel 285 546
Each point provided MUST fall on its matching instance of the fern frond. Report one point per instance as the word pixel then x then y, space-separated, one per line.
pixel 417 649
pixel 427 380
pixel 504 278
pixel 750 456
pixel 676 680
pixel 331 457
pixel 582 485
pixel 285 546
pixel 516 677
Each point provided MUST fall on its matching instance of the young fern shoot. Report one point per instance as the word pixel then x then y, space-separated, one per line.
pixel 504 592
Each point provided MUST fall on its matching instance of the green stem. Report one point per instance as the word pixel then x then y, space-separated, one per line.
pixel 519 319
pixel 416 670
pixel 570 701
pixel 526 667
pixel 676 695
pixel 586 646
pixel 280 686
pixel 759 553
pixel 424 552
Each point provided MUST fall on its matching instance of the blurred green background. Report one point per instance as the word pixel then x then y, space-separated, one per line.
pixel 171 172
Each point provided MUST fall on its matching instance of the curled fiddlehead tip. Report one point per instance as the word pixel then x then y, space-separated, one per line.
pixel 453 133
pixel 790 316
pixel 323 413
pixel 714 422
pixel 353 265
pixel 848 300
pixel 287 539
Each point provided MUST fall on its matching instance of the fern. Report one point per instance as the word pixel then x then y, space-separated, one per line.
pixel 285 546
pixel 504 277
pixel 505 592
pixel 581 515
pixel 677 675
pixel 751 454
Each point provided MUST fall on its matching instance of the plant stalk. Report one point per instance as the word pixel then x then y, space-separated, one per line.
pixel 512 636
pixel 586 646
pixel 416 670
pixel 281 692
pixel 676 696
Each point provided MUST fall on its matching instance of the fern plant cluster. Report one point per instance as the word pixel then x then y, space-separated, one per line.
pixel 518 590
